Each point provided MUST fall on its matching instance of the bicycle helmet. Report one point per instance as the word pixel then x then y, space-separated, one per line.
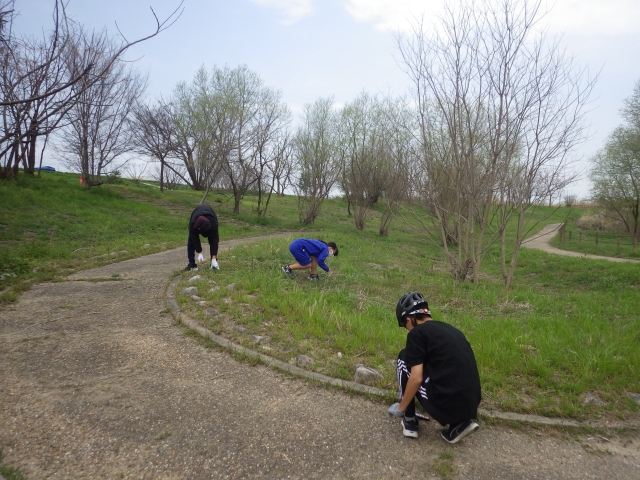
pixel 410 303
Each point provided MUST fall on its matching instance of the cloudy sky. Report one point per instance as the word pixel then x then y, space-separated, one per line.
pixel 319 48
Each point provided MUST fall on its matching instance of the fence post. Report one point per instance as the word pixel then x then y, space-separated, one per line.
pixel 596 240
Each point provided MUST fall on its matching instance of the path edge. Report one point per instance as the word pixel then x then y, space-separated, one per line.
pixel 346 384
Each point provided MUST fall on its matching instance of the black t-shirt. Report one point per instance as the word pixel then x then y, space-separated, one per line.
pixel 450 372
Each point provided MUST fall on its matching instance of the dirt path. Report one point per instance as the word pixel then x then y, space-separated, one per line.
pixel 96 381
pixel 541 240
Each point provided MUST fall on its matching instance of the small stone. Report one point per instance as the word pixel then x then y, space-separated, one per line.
pixel 227 300
pixel 266 347
pixel 190 290
pixel 635 397
pixel 124 251
pixel 593 399
pixel 210 312
pixel 257 338
pixel 304 360
pixel 231 286
pixel 114 254
pixel 239 329
pixel 196 298
pixel 340 354
pixel 214 289
pixel 195 278
pixel 36 269
pixel 202 303
pixel 366 375
pixel 146 245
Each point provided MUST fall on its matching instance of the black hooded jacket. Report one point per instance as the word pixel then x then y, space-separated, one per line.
pixel 204 210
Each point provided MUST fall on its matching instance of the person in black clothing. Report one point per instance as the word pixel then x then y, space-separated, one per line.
pixel 203 222
pixel 438 367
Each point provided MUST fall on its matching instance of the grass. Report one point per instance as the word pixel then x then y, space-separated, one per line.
pixel 610 244
pixel 52 226
pixel 9 473
pixel 564 341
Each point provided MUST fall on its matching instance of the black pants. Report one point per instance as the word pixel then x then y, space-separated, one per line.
pixel 422 396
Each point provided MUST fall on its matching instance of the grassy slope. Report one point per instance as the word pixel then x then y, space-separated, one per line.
pixel 569 329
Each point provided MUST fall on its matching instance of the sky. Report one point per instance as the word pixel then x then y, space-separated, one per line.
pixel 310 49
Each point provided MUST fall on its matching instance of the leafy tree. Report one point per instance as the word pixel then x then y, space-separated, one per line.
pixel 616 170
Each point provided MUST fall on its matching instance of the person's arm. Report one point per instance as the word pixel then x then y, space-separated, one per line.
pixel 195 239
pixel 214 240
pixel 413 384
pixel 321 258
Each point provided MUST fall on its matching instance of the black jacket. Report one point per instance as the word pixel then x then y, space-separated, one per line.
pixel 194 235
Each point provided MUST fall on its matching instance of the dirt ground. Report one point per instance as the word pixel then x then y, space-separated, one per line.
pixel 97 381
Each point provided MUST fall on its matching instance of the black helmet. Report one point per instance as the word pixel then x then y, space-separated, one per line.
pixel 408 303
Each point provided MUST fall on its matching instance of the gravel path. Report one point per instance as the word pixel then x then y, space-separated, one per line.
pixel 96 381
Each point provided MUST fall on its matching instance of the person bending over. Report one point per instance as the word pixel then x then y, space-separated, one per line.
pixel 203 222
pixel 310 253
pixel 437 366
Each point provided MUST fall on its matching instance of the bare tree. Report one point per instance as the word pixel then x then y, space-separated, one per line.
pixel 97 133
pixel 153 136
pixel 37 87
pixel 275 165
pixel 316 158
pixel 399 146
pixel 362 155
pixel 200 137
pixel 508 107
pixel 257 115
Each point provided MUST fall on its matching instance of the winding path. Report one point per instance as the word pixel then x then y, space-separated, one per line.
pixel 98 381
pixel 541 241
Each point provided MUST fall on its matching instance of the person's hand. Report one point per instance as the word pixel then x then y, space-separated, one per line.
pixel 394 411
pixel 200 258
pixel 214 264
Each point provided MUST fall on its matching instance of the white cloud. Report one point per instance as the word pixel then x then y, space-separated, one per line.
pixel 291 10
pixel 589 17
pixel 593 17
pixel 390 14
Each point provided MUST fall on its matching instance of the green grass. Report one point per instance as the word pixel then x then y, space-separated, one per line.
pixel 52 226
pixel 610 244
pixel 9 473
pixel 567 331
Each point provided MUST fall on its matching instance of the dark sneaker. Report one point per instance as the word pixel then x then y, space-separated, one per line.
pixel 457 432
pixel 286 269
pixel 410 427
pixel 191 268
pixel 313 276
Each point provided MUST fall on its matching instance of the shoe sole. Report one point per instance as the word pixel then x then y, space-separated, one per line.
pixel 408 433
pixel 467 431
